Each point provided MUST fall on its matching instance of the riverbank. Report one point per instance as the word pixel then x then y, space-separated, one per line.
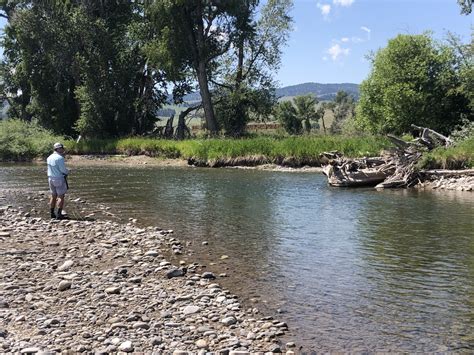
pixel 144 160
pixel 460 180
pixel 101 286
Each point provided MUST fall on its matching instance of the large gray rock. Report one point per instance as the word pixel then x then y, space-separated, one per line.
pixel 191 310
pixel 64 285
pixel 66 265
pixel 229 321
pixel 114 290
pixel 126 346
pixel 175 273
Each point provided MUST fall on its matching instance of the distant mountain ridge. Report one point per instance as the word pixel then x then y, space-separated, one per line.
pixel 321 91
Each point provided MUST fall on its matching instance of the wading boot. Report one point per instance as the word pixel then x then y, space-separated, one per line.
pixel 53 215
pixel 60 214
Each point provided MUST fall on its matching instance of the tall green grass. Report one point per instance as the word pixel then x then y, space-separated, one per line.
pixel 210 149
pixel 461 156
pixel 21 141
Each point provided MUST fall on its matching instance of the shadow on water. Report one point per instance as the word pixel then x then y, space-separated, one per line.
pixel 350 269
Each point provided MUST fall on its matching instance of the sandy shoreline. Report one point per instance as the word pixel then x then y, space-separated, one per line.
pixel 104 287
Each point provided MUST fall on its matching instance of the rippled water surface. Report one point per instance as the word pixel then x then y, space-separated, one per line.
pixel 349 270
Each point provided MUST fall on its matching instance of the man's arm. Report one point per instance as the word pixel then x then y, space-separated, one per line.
pixel 62 166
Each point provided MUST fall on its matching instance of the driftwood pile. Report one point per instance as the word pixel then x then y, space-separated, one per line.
pixel 397 168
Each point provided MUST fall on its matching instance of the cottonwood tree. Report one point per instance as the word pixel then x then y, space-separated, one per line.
pixel 231 48
pixel 193 35
pixel 414 80
pixel 298 114
pixel 343 108
pixel 246 89
pixel 306 110
pixel 77 66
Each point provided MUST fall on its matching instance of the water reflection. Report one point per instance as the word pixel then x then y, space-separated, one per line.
pixel 418 252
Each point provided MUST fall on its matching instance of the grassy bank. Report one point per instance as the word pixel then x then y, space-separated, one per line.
pixel 294 151
pixel 460 156
pixel 20 141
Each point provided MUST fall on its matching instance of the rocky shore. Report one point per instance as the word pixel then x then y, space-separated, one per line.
pixel 104 287
pixel 458 183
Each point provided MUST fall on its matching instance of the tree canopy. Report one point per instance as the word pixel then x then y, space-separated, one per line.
pixel 77 66
pixel 104 67
pixel 298 114
pixel 466 6
pixel 414 80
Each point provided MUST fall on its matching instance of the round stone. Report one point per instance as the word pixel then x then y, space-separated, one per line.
pixel 66 265
pixel 126 346
pixel 64 285
pixel 191 310
pixel 114 290
pixel 201 344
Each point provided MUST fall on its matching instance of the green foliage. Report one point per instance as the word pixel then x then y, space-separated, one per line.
pixel 306 110
pixel 234 109
pixel 460 156
pixel 77 67
pixel 20 140
pixel 286 113
pixel 463 132
pixel 465 59
pixel 302 110
pixel 343 109
pixel 100 68
pixel 414 80
pixel 466 6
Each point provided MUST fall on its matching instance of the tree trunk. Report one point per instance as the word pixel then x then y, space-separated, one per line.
pixel 200 64
pixel 206 97
pixel 240 65
pixel 169 127
pixel 182 129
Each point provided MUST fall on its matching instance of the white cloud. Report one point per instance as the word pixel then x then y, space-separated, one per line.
pixel 325 58
pixel 345 39
pixel 337 51
pixel 343 2
pixel 366 29
pixel 325 9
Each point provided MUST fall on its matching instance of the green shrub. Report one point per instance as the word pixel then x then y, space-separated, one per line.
pixel 21 141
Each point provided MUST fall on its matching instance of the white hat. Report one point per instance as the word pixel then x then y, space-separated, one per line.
pixel 57 146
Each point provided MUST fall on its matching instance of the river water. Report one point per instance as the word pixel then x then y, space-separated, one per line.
pixel 347 269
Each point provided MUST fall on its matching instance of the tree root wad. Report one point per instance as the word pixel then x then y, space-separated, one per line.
pixel 395 169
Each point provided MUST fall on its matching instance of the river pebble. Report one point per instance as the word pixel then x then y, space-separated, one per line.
pixel 104 287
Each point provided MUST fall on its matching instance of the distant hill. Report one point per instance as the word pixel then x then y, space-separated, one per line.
pixel 321 91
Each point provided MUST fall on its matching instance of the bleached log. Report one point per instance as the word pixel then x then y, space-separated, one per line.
pixel 425 136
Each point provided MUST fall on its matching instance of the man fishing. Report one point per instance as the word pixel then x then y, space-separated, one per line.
pixel 57 179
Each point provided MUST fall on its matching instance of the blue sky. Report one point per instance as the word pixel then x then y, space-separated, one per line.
pixel 332 37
